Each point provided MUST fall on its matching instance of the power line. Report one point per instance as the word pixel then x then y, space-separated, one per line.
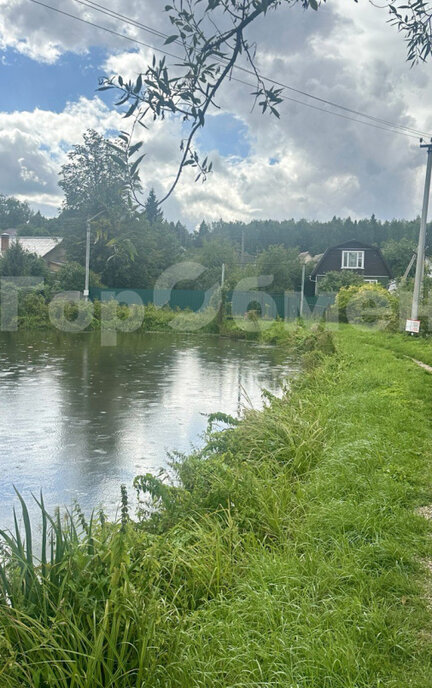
pixel 105 28
pixel 128 20
pixel 133 22
pixel 389 126
pixel 339 114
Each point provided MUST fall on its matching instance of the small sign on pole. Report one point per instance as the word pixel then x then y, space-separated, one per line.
pixel 412 326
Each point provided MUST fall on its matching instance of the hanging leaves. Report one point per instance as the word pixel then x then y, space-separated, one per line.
pixel 188 89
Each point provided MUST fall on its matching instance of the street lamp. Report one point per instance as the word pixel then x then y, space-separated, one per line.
pixel 87 260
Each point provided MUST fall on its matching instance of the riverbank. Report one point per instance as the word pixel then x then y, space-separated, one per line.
pixel 35 313
pixel 290 555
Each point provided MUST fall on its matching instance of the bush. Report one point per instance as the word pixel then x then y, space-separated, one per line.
pixel 17 262
pixel 368 304
pixel 337 279
pixel 71 277
pixel 32 307
pixel 300 339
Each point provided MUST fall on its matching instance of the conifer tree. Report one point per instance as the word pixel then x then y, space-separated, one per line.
pixel 153 213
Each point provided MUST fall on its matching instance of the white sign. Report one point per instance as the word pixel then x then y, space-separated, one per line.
pixel 412 326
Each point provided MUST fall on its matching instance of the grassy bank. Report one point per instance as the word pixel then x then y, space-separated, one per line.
pixel 290 554
pixel 37 312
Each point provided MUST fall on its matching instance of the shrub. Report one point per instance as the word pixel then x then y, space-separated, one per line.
pixel 336 279
pixel 300 339
pixel 71 277
pixel 17 262
pixel 368 304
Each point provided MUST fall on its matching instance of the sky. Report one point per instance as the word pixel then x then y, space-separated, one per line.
pixel 308 163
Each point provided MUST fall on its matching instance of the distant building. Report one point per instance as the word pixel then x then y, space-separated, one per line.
pixel 363 259
pixel 49 248
pixel 305 257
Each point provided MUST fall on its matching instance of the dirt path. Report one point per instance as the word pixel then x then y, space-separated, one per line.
pixel 425 366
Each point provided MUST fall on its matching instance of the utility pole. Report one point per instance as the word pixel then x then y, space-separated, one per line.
pixel 87 258
pixel 422 236
pixel 223 276
pixel 87 262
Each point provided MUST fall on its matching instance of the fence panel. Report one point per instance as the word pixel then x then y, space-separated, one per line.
pixel 287 305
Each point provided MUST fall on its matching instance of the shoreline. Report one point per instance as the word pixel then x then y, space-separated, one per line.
pixel 292 552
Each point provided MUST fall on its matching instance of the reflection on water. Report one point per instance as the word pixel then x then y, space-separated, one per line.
pixel 77 419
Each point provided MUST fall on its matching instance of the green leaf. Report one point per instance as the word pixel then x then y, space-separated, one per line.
pixel 313 4
pixel 132 109
pixel 138 85
pixel 135 165
pixel 118 149
pixel 119 161
pixel 171 39
pixel 133 149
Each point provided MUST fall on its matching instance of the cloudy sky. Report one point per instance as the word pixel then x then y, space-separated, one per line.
pixel 307 164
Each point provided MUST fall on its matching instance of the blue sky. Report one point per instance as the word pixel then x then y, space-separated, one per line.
pixel 307 164
pixel 30 84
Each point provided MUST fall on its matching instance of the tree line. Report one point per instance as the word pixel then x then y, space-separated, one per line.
pixel 132 246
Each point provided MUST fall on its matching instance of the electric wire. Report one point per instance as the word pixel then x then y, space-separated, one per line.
pixel 91 4
pixel 389 127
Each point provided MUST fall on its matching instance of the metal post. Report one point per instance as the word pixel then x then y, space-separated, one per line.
pixel 87 257
pixel 422 237
pixel 87 262
pixel 302 290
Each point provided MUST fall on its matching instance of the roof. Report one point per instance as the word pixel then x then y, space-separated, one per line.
pixel 306 257
pixel 350 244
pixel 41 245
pixel 353 243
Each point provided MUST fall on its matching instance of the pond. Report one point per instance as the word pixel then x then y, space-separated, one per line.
pixel 77 419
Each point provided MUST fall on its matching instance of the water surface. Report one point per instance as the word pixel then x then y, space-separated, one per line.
pixel 78 419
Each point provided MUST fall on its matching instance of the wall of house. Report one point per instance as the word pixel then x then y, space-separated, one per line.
pixel 373 262
pixel 383 280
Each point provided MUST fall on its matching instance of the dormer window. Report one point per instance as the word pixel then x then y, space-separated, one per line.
pixel 353 260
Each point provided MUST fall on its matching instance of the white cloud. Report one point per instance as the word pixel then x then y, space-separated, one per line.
pixel 128 64
pixel 44 34
pixel 33 146
pixel 327 165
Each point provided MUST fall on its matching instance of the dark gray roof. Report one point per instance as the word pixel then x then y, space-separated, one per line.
pixel 375 263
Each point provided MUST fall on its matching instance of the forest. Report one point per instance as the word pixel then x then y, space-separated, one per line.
pixel 132 242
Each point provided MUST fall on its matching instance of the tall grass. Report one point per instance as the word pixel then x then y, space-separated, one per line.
pixel 288 553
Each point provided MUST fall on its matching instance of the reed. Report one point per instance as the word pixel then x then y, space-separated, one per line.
pixel 286 553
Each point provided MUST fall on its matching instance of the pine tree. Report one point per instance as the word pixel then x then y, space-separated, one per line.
pixel 153 213
pixel 202 234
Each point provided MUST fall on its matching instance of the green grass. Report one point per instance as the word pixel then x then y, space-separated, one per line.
pixel 404 345
pixel 290 554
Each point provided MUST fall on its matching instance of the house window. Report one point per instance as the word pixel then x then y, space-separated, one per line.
pixel 353 260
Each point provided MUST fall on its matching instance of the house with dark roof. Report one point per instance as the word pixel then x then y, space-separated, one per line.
pixel 49 248
pixel 363 259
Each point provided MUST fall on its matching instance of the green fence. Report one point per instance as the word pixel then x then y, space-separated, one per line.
pixel 285 306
